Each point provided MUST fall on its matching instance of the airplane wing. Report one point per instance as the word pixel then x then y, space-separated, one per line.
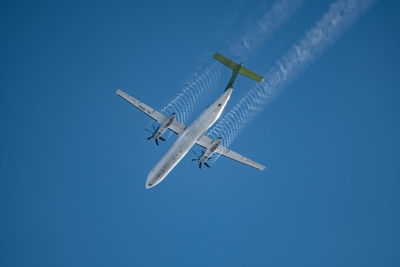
pixel 205 142
pixel 178 128
pixel 175 126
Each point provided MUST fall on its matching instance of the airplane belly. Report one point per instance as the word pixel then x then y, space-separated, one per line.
pixel 182 146
pixel 178 150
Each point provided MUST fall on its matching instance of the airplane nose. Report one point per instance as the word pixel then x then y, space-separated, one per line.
pixel 148 183
pixel 157 174
pixel 150 180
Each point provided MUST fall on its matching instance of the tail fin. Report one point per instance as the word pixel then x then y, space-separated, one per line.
pixel 237 69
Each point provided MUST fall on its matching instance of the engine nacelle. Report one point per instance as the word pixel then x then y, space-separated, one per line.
pixel 164 126
pixel 210 150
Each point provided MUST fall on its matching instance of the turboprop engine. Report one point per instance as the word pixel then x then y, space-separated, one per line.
pixel 206 154
pixel 162 128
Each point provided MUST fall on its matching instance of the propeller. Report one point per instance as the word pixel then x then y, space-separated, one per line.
pixel 153 133
pixel 198 159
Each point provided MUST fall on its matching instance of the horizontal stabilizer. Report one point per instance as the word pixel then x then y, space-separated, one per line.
pixel 237 69
pixel 226 61
pixel 248 73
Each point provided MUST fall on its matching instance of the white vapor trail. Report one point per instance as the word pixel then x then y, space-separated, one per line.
pixel 341 15
pixel 263 29
pixel 184 103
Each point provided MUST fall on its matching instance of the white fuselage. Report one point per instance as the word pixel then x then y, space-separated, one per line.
pixel 187 139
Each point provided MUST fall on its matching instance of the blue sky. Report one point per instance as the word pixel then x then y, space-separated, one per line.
pixel 74 156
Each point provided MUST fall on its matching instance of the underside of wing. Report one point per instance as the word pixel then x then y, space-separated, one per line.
pixel 205 142
pixel 235 156
pixel 175 126
pixel 149 111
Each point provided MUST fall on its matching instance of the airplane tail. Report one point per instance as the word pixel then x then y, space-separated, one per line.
pixel 237 69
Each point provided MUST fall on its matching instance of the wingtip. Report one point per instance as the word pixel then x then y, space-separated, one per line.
pixel 261 167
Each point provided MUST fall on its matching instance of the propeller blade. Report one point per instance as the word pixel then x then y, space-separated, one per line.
pixel 194 159
pixel 148 138
pixel 205 163
pixel 156 142
pixel 200 165
pixel 162 138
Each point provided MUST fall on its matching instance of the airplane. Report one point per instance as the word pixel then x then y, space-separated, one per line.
pixel 195 133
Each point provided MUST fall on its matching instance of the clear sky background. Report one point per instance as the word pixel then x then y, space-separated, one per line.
pixel 74 156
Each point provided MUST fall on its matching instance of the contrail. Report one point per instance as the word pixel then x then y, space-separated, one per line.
pixel 184 103
pixel 264 28
pixel 186 100
pixel 340 16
